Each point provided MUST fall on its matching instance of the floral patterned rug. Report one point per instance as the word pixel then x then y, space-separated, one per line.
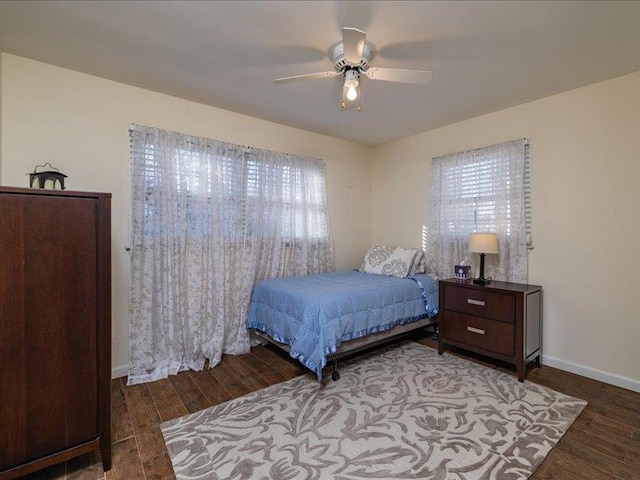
pixel 402 412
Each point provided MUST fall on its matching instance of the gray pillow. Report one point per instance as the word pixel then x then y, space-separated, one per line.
pixel 393 261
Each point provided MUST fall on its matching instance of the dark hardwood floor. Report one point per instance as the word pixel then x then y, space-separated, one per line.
pixel 603 443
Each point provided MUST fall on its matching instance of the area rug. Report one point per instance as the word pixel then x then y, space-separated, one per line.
pixel 403 412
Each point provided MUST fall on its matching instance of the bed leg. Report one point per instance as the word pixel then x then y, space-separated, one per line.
pixel 335 375
pixel 436 332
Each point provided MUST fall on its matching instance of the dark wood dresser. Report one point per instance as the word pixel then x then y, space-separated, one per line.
pixel 501 320
pixel 55 328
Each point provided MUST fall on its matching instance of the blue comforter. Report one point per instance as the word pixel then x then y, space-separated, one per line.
pixel 315 313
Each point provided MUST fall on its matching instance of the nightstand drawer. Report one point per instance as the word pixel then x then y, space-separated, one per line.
pixel 500 320
pixel 491 335
pixel 480 303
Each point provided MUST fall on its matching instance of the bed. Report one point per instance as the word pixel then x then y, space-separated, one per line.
pixel 323 317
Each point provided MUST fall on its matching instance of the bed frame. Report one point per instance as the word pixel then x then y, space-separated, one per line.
pixel 356 345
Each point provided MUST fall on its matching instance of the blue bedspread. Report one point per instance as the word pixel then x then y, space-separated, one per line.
pixel 315 313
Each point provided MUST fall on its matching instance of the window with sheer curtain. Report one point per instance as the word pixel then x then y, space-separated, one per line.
pixel 483 190
pixel 209 219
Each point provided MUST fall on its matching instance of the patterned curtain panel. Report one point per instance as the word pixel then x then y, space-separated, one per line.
pixel 484 190
pixel 209 219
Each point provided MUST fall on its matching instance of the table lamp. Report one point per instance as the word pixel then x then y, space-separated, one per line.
pixel 483 243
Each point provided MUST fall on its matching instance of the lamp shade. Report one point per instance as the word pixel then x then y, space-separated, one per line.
pixel 483 243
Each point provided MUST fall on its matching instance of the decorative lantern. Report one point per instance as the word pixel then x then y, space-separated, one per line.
pixel 50 179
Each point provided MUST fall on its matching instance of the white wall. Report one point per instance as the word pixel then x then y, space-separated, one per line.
pixel 585 194
pixel 79 123
pixel 586 220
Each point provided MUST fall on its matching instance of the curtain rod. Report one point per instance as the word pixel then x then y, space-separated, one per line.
pixel 245 148
pixel 134 126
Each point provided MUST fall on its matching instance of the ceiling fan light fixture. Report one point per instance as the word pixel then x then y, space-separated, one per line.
pixel 351 78
pixel 351 81
pixel 352 93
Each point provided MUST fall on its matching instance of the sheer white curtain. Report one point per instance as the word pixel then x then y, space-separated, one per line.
pixel 209 219
pixel 484 190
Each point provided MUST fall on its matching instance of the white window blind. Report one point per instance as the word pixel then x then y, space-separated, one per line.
pixel 247 183
pixel 483 190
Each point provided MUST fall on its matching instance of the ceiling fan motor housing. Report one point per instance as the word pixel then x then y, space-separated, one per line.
pixel 341 65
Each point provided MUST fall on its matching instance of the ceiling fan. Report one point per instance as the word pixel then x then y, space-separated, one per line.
pixel 351 58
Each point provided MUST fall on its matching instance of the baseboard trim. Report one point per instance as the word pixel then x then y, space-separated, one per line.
pixel 121 371
pixel 610 378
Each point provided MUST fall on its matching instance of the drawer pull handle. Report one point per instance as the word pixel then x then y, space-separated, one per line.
pixel 475 302
pixel 476 330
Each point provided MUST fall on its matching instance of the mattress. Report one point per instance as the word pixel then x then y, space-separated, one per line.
pixel 314 314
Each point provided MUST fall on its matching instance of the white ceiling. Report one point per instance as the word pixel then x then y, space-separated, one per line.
pixel 485 55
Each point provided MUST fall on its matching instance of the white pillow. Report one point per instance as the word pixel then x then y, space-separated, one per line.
pixel 419 264
pixel 393 261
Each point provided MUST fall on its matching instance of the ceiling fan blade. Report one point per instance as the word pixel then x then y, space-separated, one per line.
pixel 420 77
pixel 308 76
pixel 353 44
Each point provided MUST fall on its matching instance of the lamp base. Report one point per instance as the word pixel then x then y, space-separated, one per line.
pixel 481 280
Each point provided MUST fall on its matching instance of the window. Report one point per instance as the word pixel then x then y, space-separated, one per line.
pixel 208 220
pixel 247 183
pixel 483 190
pixel 479 187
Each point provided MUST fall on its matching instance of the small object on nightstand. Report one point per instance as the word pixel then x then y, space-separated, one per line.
pixel 462 271
pixel 483 243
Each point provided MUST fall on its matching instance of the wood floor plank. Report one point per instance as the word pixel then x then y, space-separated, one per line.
pixel 633 460
pixel 268 374
pixel 214 392
pixel 227 377
pixel 286 366
pixel 121 426
pixel 572 445
pixel 563 462
pixel 126 464
pixel 604 446
pixel 589 390
pixel 609 437
pixel 244 374
pixel 600 422
pixel 550 471
pixel 85 467
pixel 158 468
pixel 55 472
pixel 167 400
pixel 610 394
pixel 618 412
pixel 191 396
pixel 145 419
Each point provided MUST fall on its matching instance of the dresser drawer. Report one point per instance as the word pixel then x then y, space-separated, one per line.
pixel 482 303
pixel 491 335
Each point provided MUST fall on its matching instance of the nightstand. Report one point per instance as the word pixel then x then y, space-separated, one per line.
pixel 501 320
